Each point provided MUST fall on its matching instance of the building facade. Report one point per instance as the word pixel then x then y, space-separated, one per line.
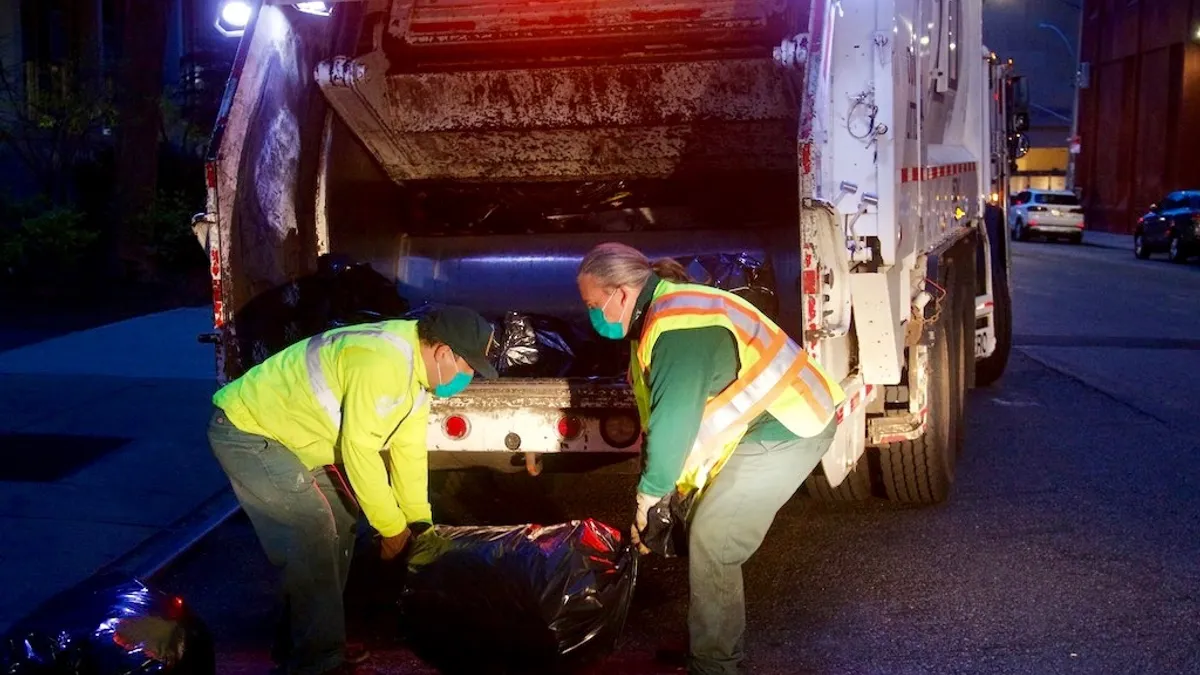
pixel 1139 108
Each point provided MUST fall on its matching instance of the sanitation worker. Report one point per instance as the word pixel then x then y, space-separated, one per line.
pixel 300 437
pixel 736 416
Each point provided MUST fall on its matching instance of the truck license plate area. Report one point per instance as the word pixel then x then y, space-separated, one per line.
pixel 541 430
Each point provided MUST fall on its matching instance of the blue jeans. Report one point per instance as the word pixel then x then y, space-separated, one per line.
pixel 305 521
pixel 728 525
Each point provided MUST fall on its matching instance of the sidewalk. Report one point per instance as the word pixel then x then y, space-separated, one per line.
pixel 1108 240
pixel 102 448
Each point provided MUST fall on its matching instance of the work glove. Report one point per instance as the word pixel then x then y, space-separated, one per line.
pixel 394 545
pixel 640 520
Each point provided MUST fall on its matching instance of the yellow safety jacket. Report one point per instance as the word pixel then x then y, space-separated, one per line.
pixel 774 375
pixel 342 397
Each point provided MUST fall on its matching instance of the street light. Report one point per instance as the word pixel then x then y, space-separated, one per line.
pixel 1075 105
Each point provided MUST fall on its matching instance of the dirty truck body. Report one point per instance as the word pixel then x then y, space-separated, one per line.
pixel 474 150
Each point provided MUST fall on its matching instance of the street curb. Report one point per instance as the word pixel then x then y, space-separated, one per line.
pixel 149 558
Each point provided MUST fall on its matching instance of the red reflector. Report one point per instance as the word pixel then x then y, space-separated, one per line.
pixel 569 427
pixel 456 427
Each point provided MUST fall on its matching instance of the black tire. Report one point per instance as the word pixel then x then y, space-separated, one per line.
pixel 921 471
pixel 1022 234
pixel 1075 239
pixel 856 487
pixel 1140 250
pixel 1175 251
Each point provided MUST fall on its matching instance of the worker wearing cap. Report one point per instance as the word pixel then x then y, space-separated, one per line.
pixel 736 416
pixel 286 430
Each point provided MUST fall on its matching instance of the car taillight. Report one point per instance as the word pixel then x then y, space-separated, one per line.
pixel 569 428
pixel 456 427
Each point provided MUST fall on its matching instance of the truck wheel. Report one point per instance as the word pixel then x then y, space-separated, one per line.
pixel 921 471
pixel 856 487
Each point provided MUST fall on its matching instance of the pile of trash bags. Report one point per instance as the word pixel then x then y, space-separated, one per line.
pixel 110 625
pixel 738 273
pixel 344 292
pixel 535 345
pixel 516 599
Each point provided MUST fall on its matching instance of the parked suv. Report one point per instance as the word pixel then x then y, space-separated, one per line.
pixel 1172 226
pixel 1046 212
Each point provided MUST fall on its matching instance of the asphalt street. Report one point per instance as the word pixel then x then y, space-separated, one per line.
pixel 1071 543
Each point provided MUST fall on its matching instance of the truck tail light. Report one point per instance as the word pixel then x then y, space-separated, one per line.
pixel 569 427
pixel 456 427
pixel 620 430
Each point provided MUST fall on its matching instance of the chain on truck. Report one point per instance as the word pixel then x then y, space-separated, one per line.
pixel 860 146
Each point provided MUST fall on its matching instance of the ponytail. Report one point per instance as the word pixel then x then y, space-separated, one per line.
pixel 670 270
pixel 616 265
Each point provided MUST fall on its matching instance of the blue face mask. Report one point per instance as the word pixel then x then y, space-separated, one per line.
pixel 613 330
pixel 454 386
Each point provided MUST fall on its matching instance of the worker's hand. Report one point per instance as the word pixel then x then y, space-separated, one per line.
pixel 644 503
pixel 394 545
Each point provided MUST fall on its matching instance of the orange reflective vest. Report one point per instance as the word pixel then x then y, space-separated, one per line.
pixel 775 375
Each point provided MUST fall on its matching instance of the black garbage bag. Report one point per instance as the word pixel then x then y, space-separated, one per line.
pixel 666 528
pixel 341 292
pixel 353 292
pixel 533 346
pixel 111 625
pixel 740 274
pixel 516 599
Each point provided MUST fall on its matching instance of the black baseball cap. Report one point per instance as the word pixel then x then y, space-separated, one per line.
pixel 466 333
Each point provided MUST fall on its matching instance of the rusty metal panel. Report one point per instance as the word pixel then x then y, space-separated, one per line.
pixel 264 173
pixel 628 121
pixel 434 21
pixel 666 93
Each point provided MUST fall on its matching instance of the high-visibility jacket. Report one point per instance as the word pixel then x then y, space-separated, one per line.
pixel 775 375
pixel 342 397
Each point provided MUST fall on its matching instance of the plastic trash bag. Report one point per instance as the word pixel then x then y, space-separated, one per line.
pixel 110 625
pixel 341 292
pixel 741 274
pixel 519 599
pixel 666 528
pixel 533 346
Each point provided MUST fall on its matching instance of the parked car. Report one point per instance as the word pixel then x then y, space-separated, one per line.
pixel 1172 226
pixel 1050 213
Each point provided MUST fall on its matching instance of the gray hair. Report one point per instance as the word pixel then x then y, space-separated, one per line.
pixel 614 265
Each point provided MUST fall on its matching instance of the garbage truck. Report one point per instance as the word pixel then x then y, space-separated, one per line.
pixel 471 151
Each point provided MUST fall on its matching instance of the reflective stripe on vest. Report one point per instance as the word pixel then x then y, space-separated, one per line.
pixel 781 364
pixel 316 375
